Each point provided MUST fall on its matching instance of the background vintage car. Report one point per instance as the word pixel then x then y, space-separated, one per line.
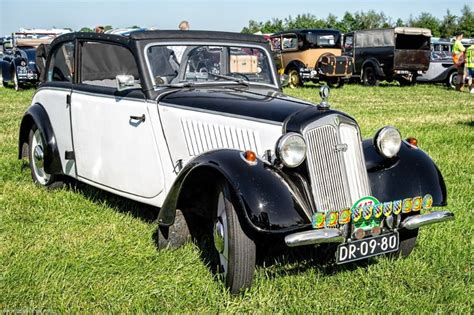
pixel 206 131
pixel 18 64
pixel 442 69
pixel 400 53
pixel 311 55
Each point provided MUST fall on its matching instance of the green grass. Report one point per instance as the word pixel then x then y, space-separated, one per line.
pixel 81 250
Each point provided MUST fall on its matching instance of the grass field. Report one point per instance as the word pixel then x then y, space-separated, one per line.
pixel 81 250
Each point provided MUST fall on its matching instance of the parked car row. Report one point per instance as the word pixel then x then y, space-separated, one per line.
pixel 18 64
pixel 196 124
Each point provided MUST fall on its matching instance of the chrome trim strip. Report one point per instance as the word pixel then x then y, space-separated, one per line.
pixel 416 221
pixel 314 237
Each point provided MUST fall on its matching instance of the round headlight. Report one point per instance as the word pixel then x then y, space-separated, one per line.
pixel 388 141
pixel 291 149
pixel 23 63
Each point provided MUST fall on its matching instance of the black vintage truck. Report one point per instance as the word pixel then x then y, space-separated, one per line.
pixel 400 53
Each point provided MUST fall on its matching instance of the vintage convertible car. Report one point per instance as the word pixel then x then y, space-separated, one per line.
pixel 18 64
pixel 197 121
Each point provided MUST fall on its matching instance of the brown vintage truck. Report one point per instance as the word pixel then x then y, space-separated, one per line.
pixel 311 55
pixel 400 53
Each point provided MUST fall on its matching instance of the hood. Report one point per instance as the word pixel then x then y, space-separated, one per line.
pixel 268 105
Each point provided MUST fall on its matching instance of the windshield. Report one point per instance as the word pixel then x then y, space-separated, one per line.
pixel 195 64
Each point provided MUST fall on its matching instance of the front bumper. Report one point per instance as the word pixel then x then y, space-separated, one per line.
pixel 334 235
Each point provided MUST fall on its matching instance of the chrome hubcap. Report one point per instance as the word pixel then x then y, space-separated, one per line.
pixel 221 237
pixel 37 156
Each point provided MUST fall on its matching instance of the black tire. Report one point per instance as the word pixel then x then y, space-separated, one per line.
pixel 236 251
pixel 36 148
pixel 369 77
pixel 174 236
pixel 452 80
pixel 294 78
pixel 407 243
pixel 335 82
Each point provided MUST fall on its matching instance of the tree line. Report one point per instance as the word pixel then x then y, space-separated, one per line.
pixel 445 27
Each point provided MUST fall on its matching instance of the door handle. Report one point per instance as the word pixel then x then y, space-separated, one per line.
pixel 139 118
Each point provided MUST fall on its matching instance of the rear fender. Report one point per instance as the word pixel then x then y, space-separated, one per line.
pixel 375 64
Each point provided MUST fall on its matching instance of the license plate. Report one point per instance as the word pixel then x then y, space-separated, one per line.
pixel 367 247
pixel 22 70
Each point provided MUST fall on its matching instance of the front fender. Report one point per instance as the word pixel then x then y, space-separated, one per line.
pixel 412 173
pixel 36 114
pixel 269 200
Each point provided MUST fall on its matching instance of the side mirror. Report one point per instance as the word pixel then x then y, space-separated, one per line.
pixel 125 82
pixel 284 80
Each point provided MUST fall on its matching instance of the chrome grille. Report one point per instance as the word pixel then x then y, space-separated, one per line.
pixel 338 174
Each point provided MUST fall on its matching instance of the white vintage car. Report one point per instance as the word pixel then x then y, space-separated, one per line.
pixel 197 121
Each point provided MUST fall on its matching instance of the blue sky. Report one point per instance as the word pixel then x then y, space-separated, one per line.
pixel 226 15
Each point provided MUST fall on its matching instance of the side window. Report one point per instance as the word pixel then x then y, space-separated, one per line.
pixel 102 62
pixel 61 66
pixel 289 42
pixel 275 43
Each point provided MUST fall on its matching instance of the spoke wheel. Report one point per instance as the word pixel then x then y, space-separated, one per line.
pixel 36 151
pixel 235 249
pixel 294 79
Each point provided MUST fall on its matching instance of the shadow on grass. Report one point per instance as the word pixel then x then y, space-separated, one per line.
pixel 144 212
pixel 293 261
pixel 466 123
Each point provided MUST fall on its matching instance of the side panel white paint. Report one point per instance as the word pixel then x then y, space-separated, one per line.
pixel 114 150
pixel 191 133
pixel 54 101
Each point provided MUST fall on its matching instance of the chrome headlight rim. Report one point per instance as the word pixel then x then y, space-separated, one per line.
pixel 381 135
pixel 282 141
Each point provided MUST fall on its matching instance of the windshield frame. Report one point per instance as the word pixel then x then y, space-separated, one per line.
pixel 212 43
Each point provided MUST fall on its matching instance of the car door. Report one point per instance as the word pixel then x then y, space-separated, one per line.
pixel 114 142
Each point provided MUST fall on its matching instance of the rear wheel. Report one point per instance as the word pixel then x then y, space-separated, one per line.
pixel 369 78
pixel 452 80
pixel 36 149
pixel 235 249
pixel 294 78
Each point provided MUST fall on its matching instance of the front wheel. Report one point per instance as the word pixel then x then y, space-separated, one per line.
pixel 294 78
pixel 36 149
pixel 16 83
pixel 236 250
pixel 407 243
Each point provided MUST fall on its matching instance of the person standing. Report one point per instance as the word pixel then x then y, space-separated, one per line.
pixel 470 67
pixel 459 60
pixel 179 50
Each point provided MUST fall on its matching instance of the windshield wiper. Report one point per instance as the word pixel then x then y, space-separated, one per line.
pixel 229 78
pixel 178 85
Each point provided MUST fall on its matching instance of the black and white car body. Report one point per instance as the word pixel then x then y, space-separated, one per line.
pixel 197 121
